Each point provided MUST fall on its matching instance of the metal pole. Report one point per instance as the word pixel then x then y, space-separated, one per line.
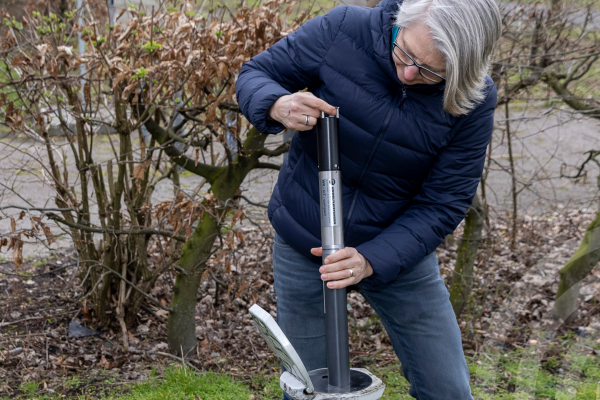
pixel 111 12
pixel 332 238
pixel 231 123
pixel 81 48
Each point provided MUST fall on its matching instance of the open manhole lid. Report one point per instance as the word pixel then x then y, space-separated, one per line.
pixel 280 345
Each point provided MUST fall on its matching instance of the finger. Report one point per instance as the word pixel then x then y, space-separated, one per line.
pixel 298 122
pixel 339 275
pixel 300 127
pixel 317 251
pixel 341 284
pixel 342 254
pixel 302 109
pixel 314 102
pixel 339 266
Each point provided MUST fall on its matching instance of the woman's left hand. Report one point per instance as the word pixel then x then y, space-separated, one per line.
pixel 341 264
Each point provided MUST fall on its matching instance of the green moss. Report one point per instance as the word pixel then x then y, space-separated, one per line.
pixel 182 384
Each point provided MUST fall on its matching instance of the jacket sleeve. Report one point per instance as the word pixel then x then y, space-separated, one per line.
pixel 288 66
pixel 442 202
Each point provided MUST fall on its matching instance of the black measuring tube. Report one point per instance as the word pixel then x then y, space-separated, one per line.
pixel 332 239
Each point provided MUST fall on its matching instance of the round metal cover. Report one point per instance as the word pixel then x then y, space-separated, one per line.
pixel 358 381
pixel 280 345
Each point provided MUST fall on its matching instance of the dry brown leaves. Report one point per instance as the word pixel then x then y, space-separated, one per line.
pixel 14 240
pixel 150 58
pixel 178 213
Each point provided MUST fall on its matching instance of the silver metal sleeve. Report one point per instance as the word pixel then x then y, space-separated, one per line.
pixel 332 227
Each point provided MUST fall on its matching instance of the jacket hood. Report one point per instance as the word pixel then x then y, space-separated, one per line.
pixel 382 22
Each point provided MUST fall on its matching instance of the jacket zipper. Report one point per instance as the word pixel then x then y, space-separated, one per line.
pixel 386 122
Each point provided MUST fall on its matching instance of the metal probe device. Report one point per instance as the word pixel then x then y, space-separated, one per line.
pixel 332 240
pixel 337 381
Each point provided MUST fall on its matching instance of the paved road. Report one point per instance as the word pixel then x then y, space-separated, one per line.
pixel 543 146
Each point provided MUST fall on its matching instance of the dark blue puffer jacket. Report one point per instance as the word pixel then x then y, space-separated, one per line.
pixel 410 170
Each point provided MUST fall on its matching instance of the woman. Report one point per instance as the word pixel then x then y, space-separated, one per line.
pixel 416 112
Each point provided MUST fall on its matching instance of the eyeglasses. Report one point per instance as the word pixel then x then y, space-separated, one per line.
pixel 407 60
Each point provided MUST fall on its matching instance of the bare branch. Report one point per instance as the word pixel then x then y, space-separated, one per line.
pixel 140 291
pixel 569 98
pixel 163 138
pixel 268 166
pixel 133 231
pixel 239 196
pixel 284 148
pixel 591 158
pixel 160 353
pixel 217 280
pixel 36 208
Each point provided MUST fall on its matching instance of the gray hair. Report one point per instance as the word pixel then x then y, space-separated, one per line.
pixel 465 32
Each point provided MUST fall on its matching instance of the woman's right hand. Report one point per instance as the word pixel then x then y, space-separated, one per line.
pixel 291 110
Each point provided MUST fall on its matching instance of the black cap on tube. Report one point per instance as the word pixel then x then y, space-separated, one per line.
pixel 329 139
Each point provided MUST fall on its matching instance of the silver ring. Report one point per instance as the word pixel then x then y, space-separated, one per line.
pixel 307 119
pixel 351 273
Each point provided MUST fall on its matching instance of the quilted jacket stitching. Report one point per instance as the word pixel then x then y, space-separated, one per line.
pixel 333 40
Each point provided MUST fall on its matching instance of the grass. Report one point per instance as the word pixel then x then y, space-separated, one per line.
pixel 396 386
pixel 572 372
pixel 183 384
pixel 176 383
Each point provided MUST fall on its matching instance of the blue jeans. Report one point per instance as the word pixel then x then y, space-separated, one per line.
pixel 415 311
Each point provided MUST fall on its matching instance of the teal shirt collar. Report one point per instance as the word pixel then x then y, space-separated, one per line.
pixel 395 30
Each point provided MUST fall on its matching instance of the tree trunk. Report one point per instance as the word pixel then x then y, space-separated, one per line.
pixel 462 278
pixel 181 326
pixel 578 267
